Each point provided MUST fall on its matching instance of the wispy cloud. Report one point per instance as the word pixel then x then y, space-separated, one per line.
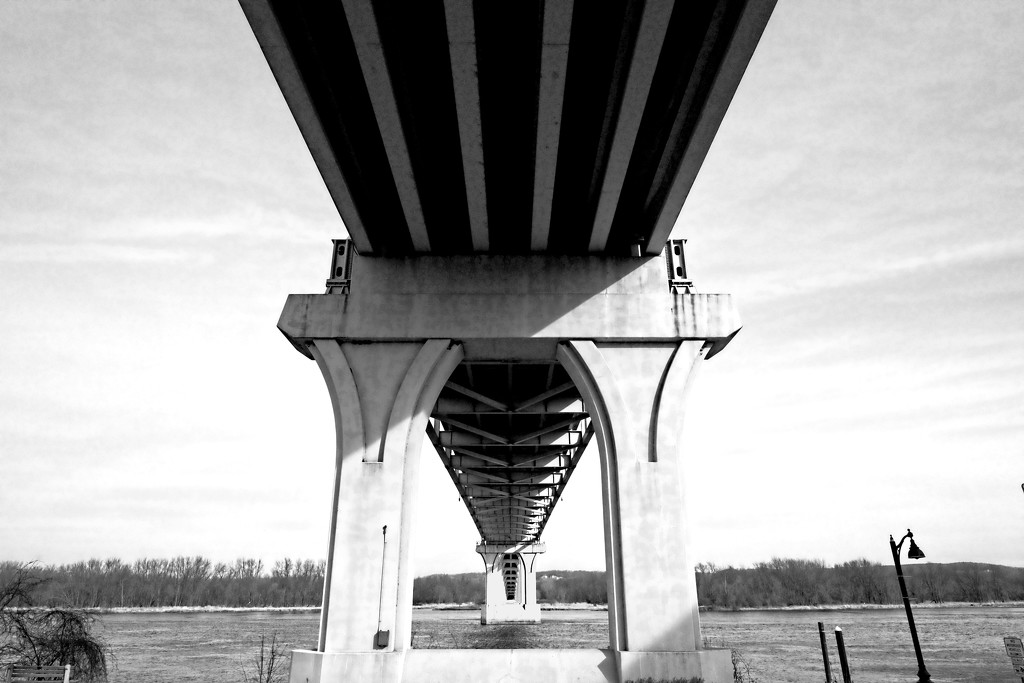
pixel 92 253
pixel 939 260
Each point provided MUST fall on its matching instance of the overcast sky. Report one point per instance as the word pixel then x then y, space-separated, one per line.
pixel 863 202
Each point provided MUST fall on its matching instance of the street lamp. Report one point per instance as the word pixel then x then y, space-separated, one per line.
pixel 914 554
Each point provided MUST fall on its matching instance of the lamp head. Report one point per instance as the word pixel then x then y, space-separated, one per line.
pixel 914 553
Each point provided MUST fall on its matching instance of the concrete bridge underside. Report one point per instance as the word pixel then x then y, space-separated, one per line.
pixel 509 174
pixel 460 126
pixel 510 434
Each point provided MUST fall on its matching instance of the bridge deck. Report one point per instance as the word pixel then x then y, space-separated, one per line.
pixel 476 127
pixel 510 435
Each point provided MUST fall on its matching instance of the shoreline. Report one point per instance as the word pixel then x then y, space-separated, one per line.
pixel 865 607
pixel 196 609
pixel 554 607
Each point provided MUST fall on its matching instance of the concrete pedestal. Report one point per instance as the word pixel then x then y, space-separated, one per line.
pixel 510 666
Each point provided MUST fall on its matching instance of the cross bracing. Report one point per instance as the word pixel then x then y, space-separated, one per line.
pixel 511 576
pixel 510 435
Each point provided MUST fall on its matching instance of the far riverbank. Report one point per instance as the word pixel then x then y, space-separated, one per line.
pixel 549 607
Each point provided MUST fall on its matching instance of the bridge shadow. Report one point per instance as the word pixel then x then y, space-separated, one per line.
pixel 482 296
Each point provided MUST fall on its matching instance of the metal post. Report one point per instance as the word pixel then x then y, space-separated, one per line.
pixel 922 673
pixel 843 663
pixel 382 637
pixel 824 652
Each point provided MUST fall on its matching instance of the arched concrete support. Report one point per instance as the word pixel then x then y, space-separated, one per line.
pixel 635 393
pixel 631 346
pixel 522 606
pixel 382 394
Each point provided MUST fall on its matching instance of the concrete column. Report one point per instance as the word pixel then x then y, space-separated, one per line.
pixel 498 607
pixel 494 587
pixel 528 580
pixel 382 394
pixel 636 395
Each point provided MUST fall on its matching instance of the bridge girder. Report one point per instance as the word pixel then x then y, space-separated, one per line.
pixel 505 128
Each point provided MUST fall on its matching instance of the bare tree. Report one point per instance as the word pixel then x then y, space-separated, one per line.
pixel 47 635
pixel 268 665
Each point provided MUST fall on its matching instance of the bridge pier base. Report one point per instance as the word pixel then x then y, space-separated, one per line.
pixel 501 666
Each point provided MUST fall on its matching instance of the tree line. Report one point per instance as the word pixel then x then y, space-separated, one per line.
pixel 246 582
pixel 788 582
pixel 780 582
pixel 178 582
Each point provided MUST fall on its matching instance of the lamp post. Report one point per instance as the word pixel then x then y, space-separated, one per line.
pixel 914 554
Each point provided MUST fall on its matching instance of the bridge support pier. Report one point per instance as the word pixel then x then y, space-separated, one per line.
pixel 382 394
pixel 510 584
pixel 636 393
pixel 388 344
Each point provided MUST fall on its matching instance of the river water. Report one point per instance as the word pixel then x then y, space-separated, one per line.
pixel 959 643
